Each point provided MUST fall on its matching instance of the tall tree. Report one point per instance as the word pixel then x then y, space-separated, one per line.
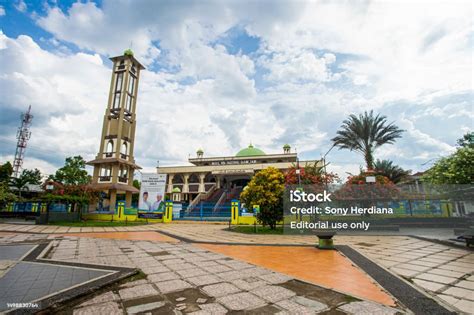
pixel 33 176
pixel 393 172
pixel 365 133
pixel 6 171
pixel 20 183
pixel 467 140
pixel 458 168
pixel 73 172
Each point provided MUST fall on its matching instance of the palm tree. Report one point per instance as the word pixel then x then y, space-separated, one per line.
pixel 394 172
pixel 365 133
pixel 20 183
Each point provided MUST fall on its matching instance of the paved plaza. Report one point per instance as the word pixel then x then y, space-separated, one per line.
pixel 189 273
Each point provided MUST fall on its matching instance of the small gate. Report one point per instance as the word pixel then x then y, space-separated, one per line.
pixel 206 212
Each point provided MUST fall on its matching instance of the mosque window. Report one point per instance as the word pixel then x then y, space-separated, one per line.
pixel 131 84
pixel 109 149
pixel 117 100
pixel 118 82
pixel 123 150
pixel 129 102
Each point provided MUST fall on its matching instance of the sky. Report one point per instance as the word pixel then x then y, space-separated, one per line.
pixel 222 74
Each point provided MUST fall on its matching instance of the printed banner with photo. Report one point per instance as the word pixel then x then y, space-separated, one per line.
pixel 152 193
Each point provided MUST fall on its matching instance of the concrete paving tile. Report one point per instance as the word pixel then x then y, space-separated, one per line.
pixel 248 284
pixel 309 303
pixel 425 263
pixel 273 293
pixel 436 278
pixel 134 283
pixel 211 309
pixel 143 308
pixel 165 276
pixel 188 273
pixel 104 297
pixel 460 293
pixel 466 284
pixel 137 291
pixel 275 278
pixel 204 280
pixel 241 301
pixel 404 272
pixel 447 273
pixel 366 307
pixel 181 266
pixel 154 269
pixel 104 308
pixel 448 298
pixel 172 286
pixel 215 268
pixel 294 308
pixel 455 268
pixel 413 267
pixel 428 285
pixel 465 306
pixel 220 289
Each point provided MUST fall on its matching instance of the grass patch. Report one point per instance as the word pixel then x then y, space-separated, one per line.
pixel 96 223
pixel 250 229
pixel 350 299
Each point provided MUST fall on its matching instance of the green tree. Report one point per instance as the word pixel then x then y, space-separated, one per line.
pixel 135 197
pixel 33 176
pixel 6 171
pixel 5 195
pixel 467 140
pixel 20 183
pixel 365 133
pixel 73 172
pixel 458 168
pixel 393 172
pixel 266 190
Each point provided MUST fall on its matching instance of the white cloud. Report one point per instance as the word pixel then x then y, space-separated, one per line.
pixel 297 66
pixel 2 11
pixel 21 6
pixel 317 63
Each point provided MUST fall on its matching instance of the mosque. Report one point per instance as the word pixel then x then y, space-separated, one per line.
pixel 218 180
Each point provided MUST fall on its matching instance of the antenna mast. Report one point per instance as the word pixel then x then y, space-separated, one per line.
pixel 23 135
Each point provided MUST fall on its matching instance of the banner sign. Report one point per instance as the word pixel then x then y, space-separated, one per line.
pixel 152 193
pixel 150 215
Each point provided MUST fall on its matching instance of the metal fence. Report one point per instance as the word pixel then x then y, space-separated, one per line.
pixel 206 212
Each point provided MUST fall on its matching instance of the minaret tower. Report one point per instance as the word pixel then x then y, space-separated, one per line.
pixel 114 165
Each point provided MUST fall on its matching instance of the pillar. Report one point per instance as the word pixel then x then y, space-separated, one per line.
pixel 218 182
pixel 112 199
pixel 186 183
pixel 170 183
pixel 234 219
pixel 202 188
pixel 128 199
pixel 168 214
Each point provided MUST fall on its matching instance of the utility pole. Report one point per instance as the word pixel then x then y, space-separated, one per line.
pixel 23 135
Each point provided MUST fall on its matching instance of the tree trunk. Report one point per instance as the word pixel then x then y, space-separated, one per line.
pixel 369 159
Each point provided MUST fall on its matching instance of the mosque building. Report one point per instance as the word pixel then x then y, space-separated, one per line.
pixel 218 180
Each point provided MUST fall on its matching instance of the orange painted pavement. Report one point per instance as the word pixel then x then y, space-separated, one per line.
pixel 327 268
pixel 135 236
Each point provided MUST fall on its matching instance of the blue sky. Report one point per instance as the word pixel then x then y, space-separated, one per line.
pixel 222 74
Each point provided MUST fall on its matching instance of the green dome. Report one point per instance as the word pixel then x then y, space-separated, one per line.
pixel 199 151
pixel 250 151
pixel 176 190
pixel 128 52
pixel 286 146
